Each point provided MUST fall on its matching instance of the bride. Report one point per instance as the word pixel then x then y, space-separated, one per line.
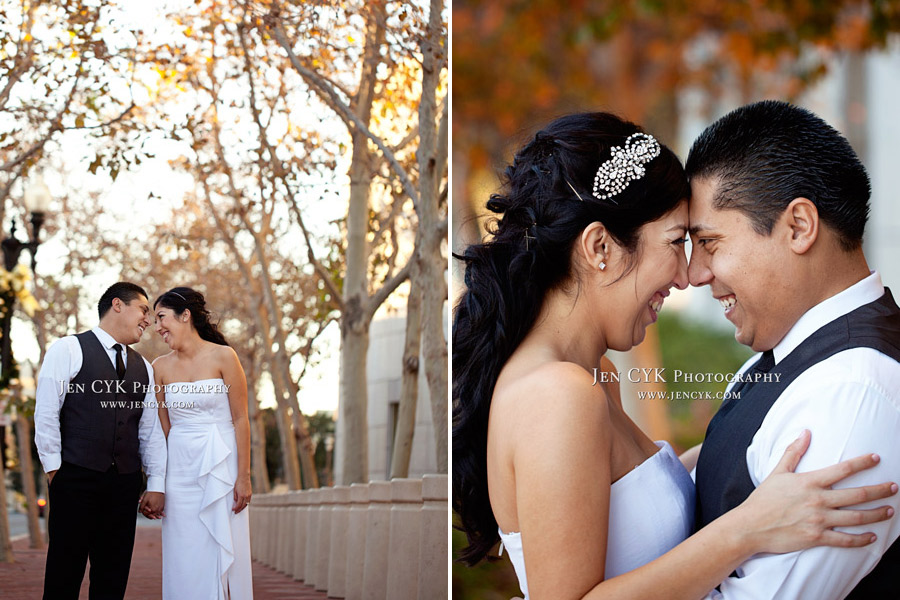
pixel 590 241
pixel 203 412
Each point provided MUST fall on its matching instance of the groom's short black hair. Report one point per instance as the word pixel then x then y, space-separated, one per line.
pixel 124 291
pixel 764 155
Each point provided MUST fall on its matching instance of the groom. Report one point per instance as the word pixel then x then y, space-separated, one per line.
pixel 92 435
pixel 778 209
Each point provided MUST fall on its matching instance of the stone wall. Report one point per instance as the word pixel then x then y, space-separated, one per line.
pixel 383 539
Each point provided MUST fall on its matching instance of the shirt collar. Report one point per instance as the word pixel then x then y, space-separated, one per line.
pixel 859 294
pixel 106 339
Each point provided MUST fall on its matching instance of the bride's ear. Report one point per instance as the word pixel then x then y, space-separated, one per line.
pixel 596 246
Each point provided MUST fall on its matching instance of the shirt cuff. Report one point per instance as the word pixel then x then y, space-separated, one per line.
pixel 51 462
pixel 156 483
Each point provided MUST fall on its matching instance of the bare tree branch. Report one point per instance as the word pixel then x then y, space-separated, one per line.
pixel 112 121
pixel 323 273
pixel 388 287
pixel 325 89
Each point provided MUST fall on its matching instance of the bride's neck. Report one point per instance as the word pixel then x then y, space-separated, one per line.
pixel 189 347
pixel 569 329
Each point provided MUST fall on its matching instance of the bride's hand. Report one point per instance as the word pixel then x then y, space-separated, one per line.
pixel 242 493
pixel 794 511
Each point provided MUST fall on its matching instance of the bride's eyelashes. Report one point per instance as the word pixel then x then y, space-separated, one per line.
pixel 680 241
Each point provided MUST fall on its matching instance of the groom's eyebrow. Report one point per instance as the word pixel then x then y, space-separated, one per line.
pixel 695 229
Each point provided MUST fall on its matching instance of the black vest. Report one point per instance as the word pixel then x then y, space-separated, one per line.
pixel 100 414
pixel 723 480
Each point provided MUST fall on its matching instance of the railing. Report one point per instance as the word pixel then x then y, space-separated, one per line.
pixel 373 541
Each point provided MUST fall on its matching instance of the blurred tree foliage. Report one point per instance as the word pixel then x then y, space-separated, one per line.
pixel 693 347
pixel 516 63
pixel 487 581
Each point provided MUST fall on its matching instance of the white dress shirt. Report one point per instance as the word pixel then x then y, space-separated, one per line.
pixel 62 362
pixel 851 404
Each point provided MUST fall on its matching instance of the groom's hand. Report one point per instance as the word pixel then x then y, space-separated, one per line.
pixel 152 504
pixel 50 475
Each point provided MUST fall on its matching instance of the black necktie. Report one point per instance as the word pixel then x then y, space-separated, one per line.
pixel 766 362
pixel 120 364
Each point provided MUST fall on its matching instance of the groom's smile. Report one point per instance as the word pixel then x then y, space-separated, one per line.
pixel 748 272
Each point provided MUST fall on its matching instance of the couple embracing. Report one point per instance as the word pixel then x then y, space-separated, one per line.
pixel 792 493
pixel 102 412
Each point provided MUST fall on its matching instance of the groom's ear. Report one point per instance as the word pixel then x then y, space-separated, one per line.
pixel 802 217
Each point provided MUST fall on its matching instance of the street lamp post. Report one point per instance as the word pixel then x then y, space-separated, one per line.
pixel 37 199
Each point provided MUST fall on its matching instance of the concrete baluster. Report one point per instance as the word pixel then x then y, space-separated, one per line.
pixel 299 539
pixel 286 558
pixel 378 530
pixel 433 553
pixel 337 561
pixel 356 541
pixel 323 537
pixel 309 568
pixel 403 547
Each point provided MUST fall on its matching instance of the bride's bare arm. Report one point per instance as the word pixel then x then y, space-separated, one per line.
pixel 562 470
pixel 161 397
pixel 787 512
pixel 561 460
pixel 689 457
pixel 234 377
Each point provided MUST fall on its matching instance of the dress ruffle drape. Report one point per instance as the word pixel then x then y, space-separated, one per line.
pixel 205 545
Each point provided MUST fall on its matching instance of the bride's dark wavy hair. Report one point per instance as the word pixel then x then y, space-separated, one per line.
pixel 181 298
pixel 546 195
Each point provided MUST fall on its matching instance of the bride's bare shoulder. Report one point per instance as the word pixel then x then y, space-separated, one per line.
pixel 554 394
pixel 163 360
pixel 554 414
pixel 160 366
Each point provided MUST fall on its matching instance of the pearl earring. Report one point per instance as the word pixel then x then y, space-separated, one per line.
pixel 602 265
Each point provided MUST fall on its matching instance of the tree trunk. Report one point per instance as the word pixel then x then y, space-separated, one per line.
pixel 23 433
pixel 45 492
pixel 409 391
pixel 432 155
pixel 281 361
pixel 260 473
pixel 289 456
pixel 354 404
pixel 329 460
pixel 354 322
pixel 6 552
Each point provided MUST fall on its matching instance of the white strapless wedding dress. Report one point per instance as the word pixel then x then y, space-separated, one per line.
pixel 206 547
pixel 651 510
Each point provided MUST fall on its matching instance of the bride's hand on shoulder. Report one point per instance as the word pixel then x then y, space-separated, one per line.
pixel 242 493
pixel 794 511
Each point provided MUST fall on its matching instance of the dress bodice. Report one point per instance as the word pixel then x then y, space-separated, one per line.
pixel 651 510
pixel 202 402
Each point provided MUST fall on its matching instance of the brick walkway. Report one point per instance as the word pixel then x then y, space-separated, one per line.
pixel 24 579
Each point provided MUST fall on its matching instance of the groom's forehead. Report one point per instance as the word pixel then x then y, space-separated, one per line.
pixel 700 207
pixel 140 301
